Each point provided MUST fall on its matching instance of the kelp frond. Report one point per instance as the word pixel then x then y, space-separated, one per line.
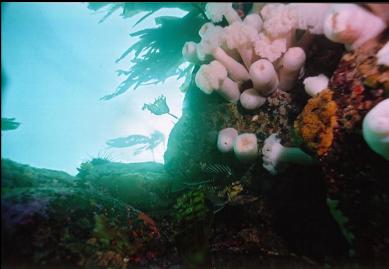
pixel 130 9
pixel 110 9
pixel 158 52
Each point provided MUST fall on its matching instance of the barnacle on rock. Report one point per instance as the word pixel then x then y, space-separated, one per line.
pixel 316 123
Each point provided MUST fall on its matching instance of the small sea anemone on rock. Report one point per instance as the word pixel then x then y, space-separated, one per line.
pixel 216 12
pixel 268 48
pixel 226 139
pixel 264 77
pixel 315 125
pixel 250 99
pixel 213 77
pixel 254 20
pixel 352 25
pixel 292 62
pixel 315 84
pixel 246 147
pixel 275 154
pixel 383 55
pixel 376 128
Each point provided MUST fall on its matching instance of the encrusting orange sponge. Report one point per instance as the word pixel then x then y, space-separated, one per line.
pixel 315 125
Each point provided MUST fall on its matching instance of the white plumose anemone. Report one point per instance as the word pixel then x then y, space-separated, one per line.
pixel 246 147
pixel 213 39
pixel 375 128
pixel 213 77
pixel 352 25
pixel 254 20
pixel 271 49
pixel 226 139
pixel 264 77
pixel 216 11
pixel 250 99
pixel 383 55
pixel 241 36
pixel 314 85
pixel 274 154
pixel 189 51
pixel 291 64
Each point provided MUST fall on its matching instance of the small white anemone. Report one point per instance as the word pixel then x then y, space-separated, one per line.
pixel 264 77
pixel 254 20
pixel 315 84
pixel 309 16
pixel 383 55
pixel 213 38
pixel 216 11
pixel 206 27
pixel 213 77
pixel 189 51
pixel 250 99
pixel 268 48
pixel 246 147
pixel 242 37
pixel 351 25
pixel 291 64
pixel 274 154
pixel 226 139
pixel 375 128
pixel 278 20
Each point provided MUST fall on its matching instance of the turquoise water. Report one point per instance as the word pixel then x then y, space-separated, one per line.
pixel 59 61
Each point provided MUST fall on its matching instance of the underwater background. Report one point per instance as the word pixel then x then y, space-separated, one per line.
pixel 58 62
pixel 194 135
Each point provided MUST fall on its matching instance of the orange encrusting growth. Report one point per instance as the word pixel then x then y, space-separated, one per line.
pixel 316 123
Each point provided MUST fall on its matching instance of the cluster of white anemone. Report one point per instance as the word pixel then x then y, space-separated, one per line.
pixel 263 49
pixel 260 49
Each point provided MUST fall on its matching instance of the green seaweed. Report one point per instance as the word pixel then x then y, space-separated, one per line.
pixel 157 53
pixel 130 9
pixel 191 208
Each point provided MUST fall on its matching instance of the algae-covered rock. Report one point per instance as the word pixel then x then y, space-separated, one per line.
pixel 14 175
pixel 193 220
pixel 142 185
pixel 74 227
pixel 51 218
